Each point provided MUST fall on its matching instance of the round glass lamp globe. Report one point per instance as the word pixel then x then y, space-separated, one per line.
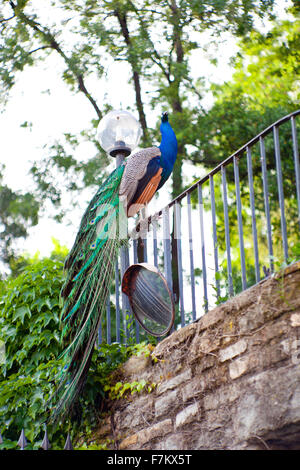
pixel 119 132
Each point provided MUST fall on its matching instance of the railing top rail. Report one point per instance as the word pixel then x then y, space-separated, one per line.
pixel 228 160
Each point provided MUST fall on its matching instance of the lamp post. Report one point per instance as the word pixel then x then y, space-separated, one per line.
pixel 118 134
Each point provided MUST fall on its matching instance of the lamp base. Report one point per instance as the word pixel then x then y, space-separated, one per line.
pixel 118 148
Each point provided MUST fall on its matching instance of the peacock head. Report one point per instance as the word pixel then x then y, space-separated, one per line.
pixel 168 145
pixel 164 117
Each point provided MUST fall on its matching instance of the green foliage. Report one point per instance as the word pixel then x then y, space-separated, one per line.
pixel 122 390
pixel 29 316
pixel 105 446
pixel 263 89
pixel 29 360
pixel 29 319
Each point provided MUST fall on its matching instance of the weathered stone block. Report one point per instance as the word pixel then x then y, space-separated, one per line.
pixel 210 319
pixel 156 430
pixel 178 441
pixel 136 413
pixel 164 404
pixel 233 350
pixel 250 319
pixel 222 396
pixel 175 340
pixel 175 381
pixel 187 415
pixel 193 388
pixel 128 442
pixel 295 319
pixel 239 367
pixel 204 344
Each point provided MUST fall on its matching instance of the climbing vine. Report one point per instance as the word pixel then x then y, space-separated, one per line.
pixel 30 345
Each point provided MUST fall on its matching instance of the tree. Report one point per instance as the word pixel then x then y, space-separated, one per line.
pixel 18 212
pixel 263 89
pixel 159 59
pixel 127 30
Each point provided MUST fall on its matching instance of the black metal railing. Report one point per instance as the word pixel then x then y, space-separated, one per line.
pixel 224 233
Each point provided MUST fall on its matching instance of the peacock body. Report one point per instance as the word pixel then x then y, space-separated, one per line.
pixel 90 263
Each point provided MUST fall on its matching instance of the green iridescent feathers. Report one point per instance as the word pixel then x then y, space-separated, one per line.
pixel 90 268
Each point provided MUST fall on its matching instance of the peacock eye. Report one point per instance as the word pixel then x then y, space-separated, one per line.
pixel 93 246
pixel 92 222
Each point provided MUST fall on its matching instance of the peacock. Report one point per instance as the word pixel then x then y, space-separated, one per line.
pixel 90 264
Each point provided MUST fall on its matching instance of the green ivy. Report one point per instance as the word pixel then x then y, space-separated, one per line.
pixel 29 332
pixel 30 317
pixel 122 390
pixel 29 348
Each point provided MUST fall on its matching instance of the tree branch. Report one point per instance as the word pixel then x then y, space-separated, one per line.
pixel 39 48
pixel 52 43
pixel 136 77
pixel 155 55
pixel 7 19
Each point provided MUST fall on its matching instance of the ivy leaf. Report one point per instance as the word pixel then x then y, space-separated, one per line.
pixel 21 313
pixel 47 336
pixel 9 331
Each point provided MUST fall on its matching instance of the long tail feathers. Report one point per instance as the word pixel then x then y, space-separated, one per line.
pixel 90 269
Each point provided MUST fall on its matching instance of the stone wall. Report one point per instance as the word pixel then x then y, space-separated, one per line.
pixel 231 380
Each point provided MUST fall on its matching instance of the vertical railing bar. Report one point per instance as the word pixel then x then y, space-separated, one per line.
pixel 167 247
pixel 227 235
pixel 145 253
pixel 135 260
pixel 296 160
pixel 144 234
pixel 280 192
pixel 155 254
pixel 108 320
pixel 125 301
pixel 266 200
pixel 134 247
pixel 253 217
pixel 118 320
pixel 192 273
pixel 215 239
pixel 204 273
pixel 240 220
pixel 179 259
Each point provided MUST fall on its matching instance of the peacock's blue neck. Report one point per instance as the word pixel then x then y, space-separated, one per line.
pixel 168 148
